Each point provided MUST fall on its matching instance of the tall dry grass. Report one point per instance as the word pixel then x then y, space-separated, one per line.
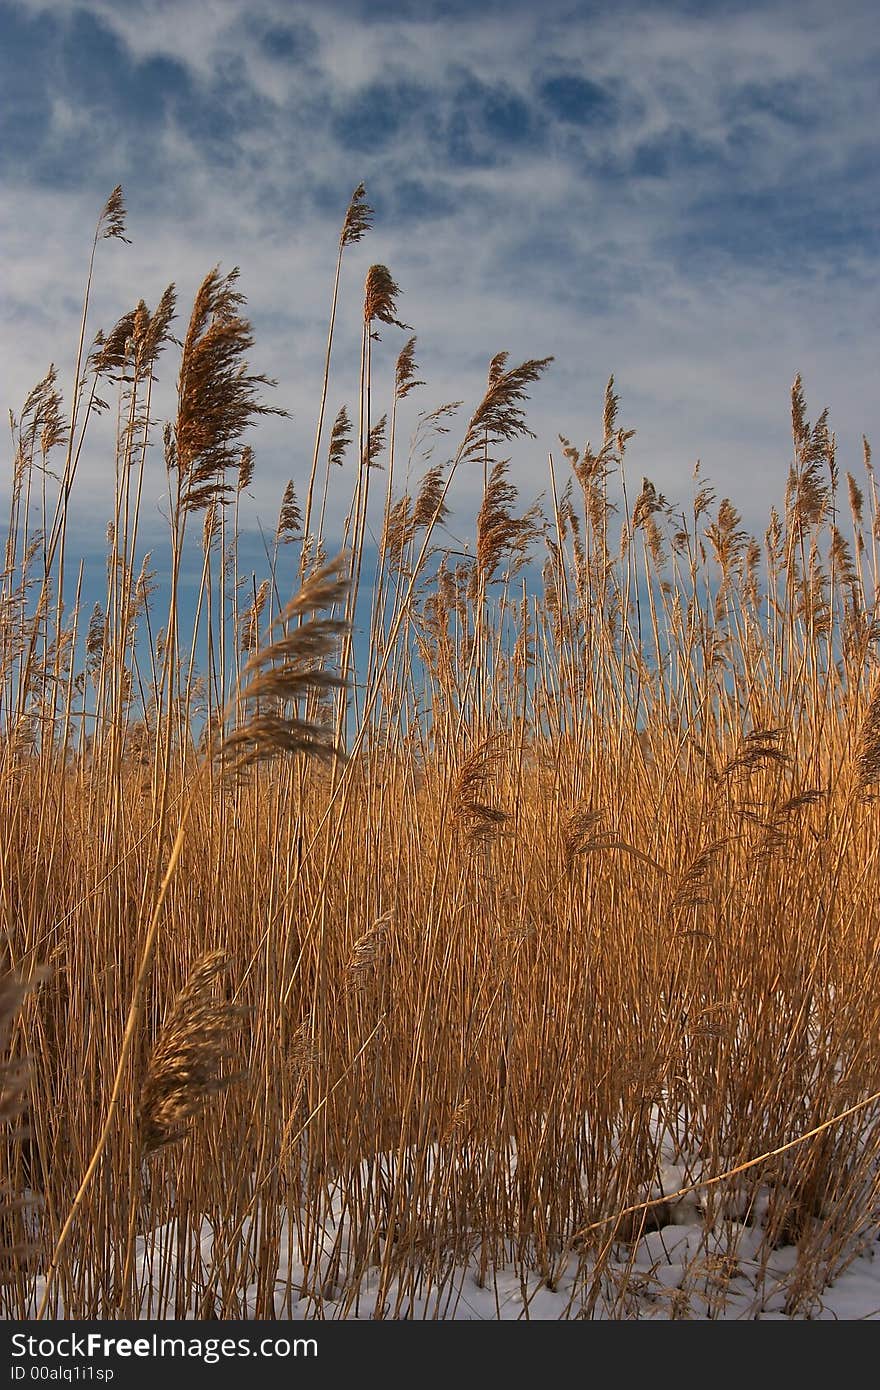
pixel 373 963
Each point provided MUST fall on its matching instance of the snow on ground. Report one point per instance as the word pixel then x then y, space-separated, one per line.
pixel 686 1267
pixel 676 1272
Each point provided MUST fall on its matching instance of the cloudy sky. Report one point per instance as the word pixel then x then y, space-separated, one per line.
pixel 685 195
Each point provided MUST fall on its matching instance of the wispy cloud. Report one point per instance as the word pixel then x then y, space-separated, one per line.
pixel 684 195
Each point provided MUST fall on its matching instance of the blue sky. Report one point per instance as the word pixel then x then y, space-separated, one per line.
pixel 686 195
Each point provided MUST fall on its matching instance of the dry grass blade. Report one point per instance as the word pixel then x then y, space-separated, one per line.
pixel 112 220
pixel 693 970
pixel 153 331
pixel 250 620
pixel 380 297
pixel 375 444
pixel 186 1065
pixel 358 218
pixel 760 748
pixel 813 796
pixel 499 532
pixel 478 820
pixel 245 474
pixel 366 953
pixel 217 397
pixel 13 1075
pixel 578 831
pixel 429 505
pixel 16 1245
pixel 405 379
pixel 398 530
pixel 868 748
pixel 499 414
pixel 692 889
pixel 407 517
pixel 340 437
pixel 289 517
pixel 286 671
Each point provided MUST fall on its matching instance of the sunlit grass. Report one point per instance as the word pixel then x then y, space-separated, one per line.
pixel 454 934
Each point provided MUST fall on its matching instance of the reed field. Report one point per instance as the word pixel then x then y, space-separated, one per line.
pixel 413 921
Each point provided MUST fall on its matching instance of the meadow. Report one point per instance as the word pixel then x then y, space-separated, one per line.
pixel 411 916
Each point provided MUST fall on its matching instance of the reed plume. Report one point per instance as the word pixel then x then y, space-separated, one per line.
pixel 217 397
pixel 500 416
pixel 286 671
pixel 189 1060
pixel 868 746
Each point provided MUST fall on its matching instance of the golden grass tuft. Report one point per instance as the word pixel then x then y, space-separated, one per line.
pixel 188 1060
pixel 554 861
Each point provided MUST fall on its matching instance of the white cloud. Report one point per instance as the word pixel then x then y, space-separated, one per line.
pixel 549 251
